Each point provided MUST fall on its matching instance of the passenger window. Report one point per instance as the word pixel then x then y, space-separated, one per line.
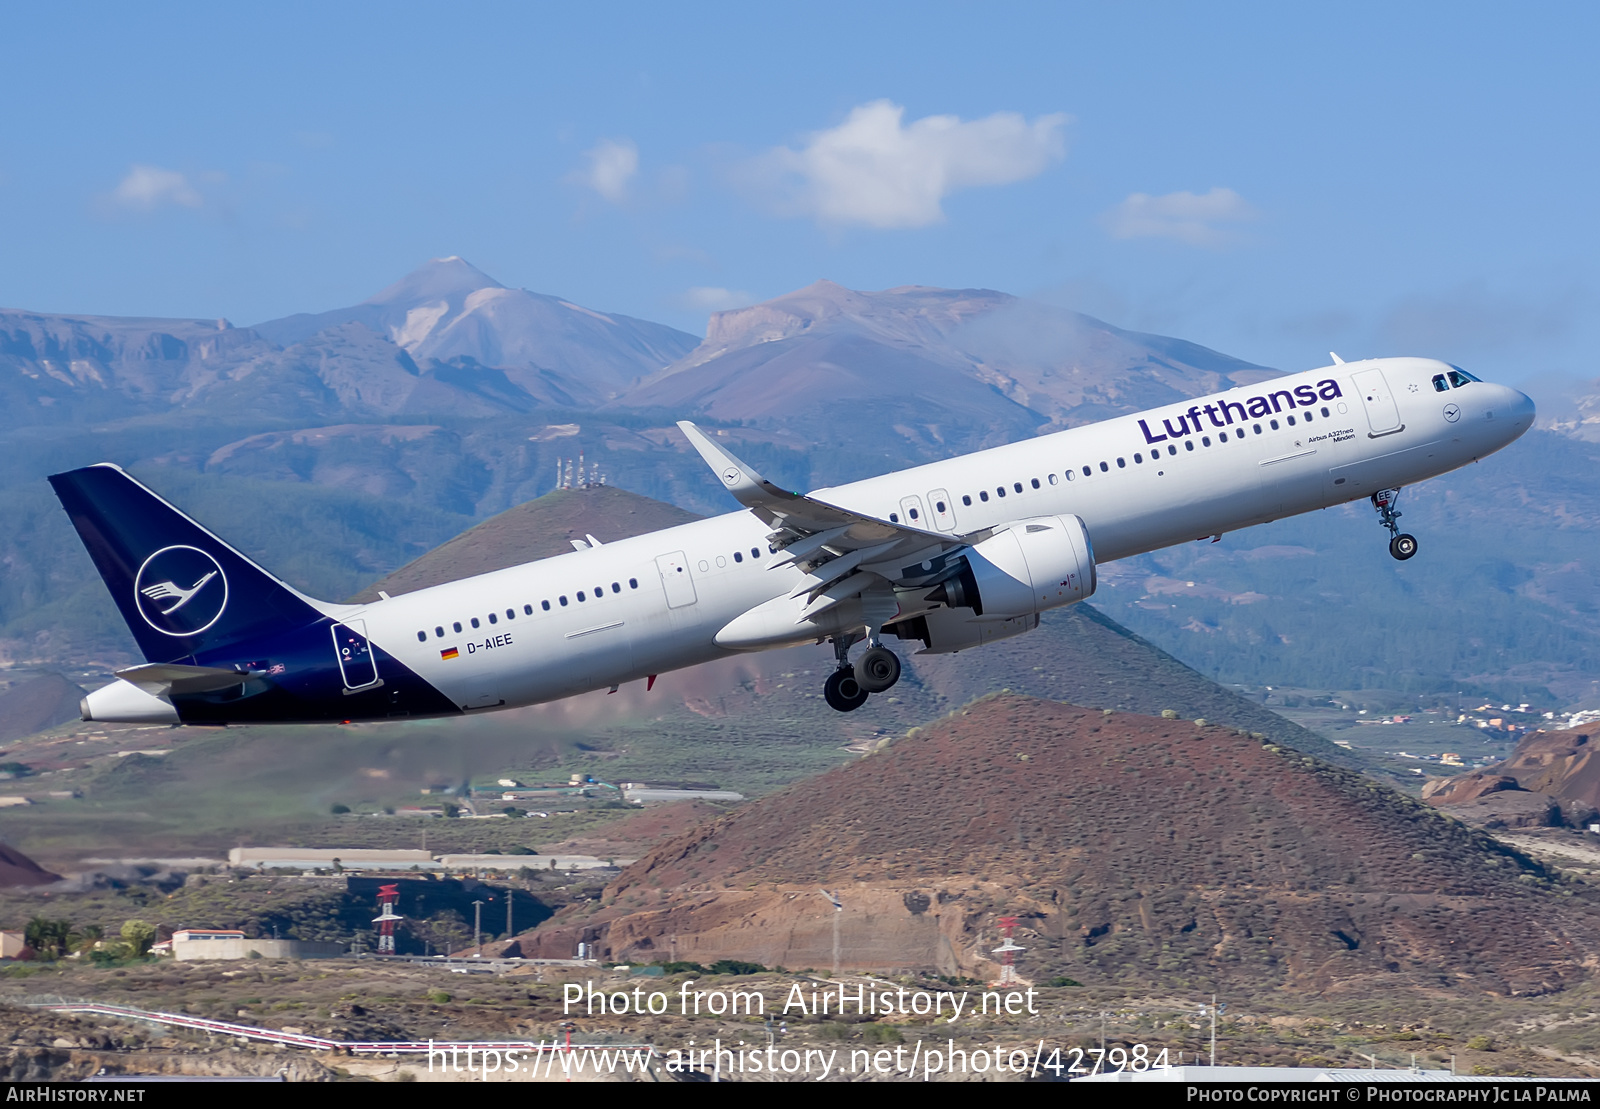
pixel 545 605
pixel 599 591
pixel 438 633
pixel 1325 413
pixel 1054 479
pixel 755 552
pixel 1188 444
pixel 1122 464
pixel 1089 472
pixel 475 622
pixel 527 610
pixel 1222 436
pixel 1018 486
pixel 563 600
pixel 1104 469
pixel 633 583
pixel 913 514
pixel 1171 449
pixel 738 556
pixel 966 498
pixel 456 625
pixel 894 517
pixel 1001 490
pixel 1273 424
pixel 1306 416
pixel 1036 481
pixel 580 596
pixel 616 587
pixel 1205 441
pixel 1137 457
pixel 939 506
pixel 1258 429
pixel 493 619
pixel 1068 475
pixel 1291 420
pixel 422 637
pixel 983 494
pixel 511 614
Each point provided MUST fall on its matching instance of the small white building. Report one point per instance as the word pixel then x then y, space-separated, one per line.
pixel 188 944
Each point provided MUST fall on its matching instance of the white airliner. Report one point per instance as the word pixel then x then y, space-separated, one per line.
pixel 955 554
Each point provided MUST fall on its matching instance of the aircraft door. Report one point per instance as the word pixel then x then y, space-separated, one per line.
pixel 356 664
pixel 942 510
pixel 675 579
pixel 911 512
pixel 1382 414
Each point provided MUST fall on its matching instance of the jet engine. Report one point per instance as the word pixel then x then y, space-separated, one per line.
pixel 1039 563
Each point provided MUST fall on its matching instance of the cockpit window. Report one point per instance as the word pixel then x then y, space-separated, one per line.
pixel 1458 378
pixel 1440 385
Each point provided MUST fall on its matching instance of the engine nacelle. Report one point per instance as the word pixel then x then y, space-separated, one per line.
pixel 1035 564
pixel 944 631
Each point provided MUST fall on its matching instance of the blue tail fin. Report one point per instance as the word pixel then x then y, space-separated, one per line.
pixel 184 593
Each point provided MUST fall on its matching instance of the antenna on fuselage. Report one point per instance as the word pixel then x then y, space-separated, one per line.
pixel 1337 361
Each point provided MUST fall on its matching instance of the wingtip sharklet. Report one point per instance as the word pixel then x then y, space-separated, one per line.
pixel 747 486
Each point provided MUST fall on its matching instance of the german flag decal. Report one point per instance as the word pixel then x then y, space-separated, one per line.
pixel 449 653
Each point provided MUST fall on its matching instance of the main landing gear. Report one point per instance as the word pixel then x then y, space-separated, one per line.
pixel 848 687
pixel 1401 545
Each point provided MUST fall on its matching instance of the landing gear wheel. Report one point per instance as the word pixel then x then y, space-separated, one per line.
pixel 1403 546
pixel 843 692
pixel 878 669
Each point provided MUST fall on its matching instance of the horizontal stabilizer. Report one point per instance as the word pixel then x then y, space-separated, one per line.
pixel 166 678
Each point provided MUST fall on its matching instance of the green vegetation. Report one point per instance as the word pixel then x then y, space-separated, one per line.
pixel 50 940
pixel 735 966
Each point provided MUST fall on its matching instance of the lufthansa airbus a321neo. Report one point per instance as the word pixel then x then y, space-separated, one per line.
pixel 955 554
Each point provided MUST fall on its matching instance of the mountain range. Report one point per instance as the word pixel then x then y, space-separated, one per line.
pixel 338 446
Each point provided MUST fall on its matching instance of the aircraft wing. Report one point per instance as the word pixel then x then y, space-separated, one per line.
pixel 828 542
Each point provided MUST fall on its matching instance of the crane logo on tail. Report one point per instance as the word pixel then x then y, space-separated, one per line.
pixel 181 591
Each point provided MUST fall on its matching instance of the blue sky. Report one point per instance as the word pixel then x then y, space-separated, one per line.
pixel 1270 180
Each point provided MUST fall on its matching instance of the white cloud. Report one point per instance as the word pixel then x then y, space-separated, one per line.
pixel 147 188
pixel 612 164
pixel 874 170
pixel 709 298
pixel 1187 217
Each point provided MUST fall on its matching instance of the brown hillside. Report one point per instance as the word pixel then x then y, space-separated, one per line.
pixel 538 529
pixel 16 869
pixel 1134 848
pixel 1557 773
pixel 34 702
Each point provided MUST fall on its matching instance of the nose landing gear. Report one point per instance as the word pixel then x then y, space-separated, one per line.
pixel 848 687
pixel 1401 545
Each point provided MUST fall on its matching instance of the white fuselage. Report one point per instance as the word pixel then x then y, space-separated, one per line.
pixel 654 603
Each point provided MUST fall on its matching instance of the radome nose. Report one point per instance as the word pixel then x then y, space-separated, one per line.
pixel 1521 409
pixel 1515 408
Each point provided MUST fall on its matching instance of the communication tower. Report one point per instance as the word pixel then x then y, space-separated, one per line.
pixel 578 474
pixel 388 896
pixel 1008 952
